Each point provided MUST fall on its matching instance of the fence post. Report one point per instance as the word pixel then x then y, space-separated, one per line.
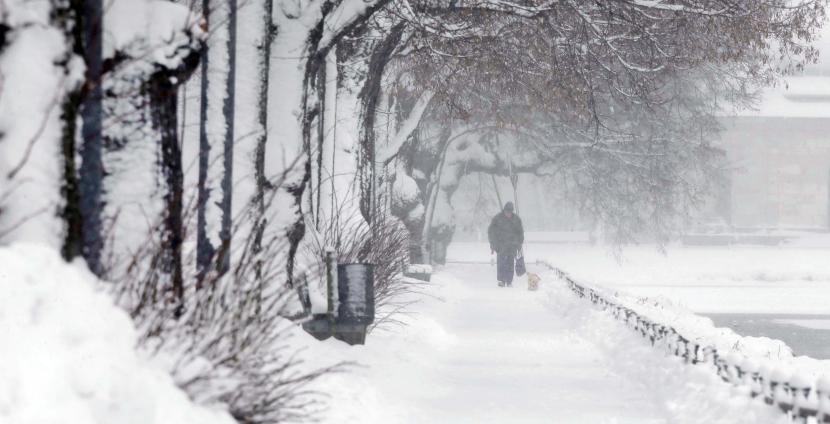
pixel 766 379
pixel 782 395
pixel 823 393
pixel 805 402
pixel 733 368
pixel 750 379
pixel 695 353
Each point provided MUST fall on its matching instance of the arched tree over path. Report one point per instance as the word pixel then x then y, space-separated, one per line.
pixel 618 90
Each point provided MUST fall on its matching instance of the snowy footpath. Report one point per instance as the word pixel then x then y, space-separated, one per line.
pixel 477 353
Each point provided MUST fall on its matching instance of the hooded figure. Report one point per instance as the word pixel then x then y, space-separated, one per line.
pixel 506 237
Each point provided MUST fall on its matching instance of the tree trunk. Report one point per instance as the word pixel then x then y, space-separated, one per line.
pixel 229 111
pixel 331 210
pixel 68 17
pixel 91 169
pixel 370 97
pixel 72 245
pixel 163 104
pixel 312 104
pixel 433 193
pixel 316 183
pixel 204 248
pixel 261 182
pixel 162 89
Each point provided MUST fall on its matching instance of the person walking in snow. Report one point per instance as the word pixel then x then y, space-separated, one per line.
pixel 506 237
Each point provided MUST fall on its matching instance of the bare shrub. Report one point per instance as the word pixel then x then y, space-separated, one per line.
pixel 231 341
pixel 383 243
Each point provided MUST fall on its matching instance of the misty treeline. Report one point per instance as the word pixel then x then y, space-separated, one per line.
pixel 202 155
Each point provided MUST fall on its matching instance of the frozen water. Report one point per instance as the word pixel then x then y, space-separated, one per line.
pixel 806 334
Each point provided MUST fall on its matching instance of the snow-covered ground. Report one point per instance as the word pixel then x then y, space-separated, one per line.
pixel 67 354
pixel 476 353
pixel 471 352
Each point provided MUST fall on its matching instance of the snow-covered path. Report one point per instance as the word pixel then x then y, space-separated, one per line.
pixel 514 360
pixel 477 353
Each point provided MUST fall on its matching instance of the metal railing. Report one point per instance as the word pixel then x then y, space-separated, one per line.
pixel 802 398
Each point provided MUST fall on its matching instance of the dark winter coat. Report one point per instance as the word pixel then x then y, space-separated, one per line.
pixel 506 235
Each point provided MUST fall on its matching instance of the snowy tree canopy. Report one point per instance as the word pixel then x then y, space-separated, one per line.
pixel 619 96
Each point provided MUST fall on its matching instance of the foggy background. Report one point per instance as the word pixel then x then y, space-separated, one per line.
pixel 776 190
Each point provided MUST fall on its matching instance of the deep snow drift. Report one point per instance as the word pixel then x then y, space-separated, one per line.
pixel 68 354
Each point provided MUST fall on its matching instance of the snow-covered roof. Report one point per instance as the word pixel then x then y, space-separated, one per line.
pixel 803 96
pixel 795 97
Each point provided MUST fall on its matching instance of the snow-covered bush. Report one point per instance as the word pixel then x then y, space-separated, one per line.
pixel 230 342
pixel 69 354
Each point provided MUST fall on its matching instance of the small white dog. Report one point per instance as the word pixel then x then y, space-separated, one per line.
pixel 533 281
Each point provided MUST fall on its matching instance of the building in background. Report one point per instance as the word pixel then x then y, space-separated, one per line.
pixel 778 180
pixel 780 157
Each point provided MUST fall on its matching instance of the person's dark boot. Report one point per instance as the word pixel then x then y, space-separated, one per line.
pixel 501 283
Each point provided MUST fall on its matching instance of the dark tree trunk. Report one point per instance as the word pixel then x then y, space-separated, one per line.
pixel 204 249
pixel 162 90
pixel 71 212
pixel 428 163
pixel 370 96
pixel 415 229
pixel 92 171
pixel 311 112
pixel 229 111
pixel 321 137
pixel 269 32
pixel 163 103
pixel 262 184
pixel 69 17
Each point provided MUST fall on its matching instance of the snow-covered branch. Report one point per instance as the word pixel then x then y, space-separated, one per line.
pixel 346 14
pixel 389 151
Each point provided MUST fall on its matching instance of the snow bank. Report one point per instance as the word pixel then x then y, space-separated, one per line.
pixel 69 354
pixel 686 394
pixel 769 360
pixel 699 329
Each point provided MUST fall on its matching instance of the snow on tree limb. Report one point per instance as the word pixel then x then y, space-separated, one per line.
pixel 405 129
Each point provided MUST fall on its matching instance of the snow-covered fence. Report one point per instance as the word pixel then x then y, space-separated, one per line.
pixel 801 397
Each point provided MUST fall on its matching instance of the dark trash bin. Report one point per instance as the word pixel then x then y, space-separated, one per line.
pixel 355 311
pixel 356 295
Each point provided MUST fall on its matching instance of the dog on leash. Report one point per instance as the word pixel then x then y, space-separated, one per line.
pixel 533 281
